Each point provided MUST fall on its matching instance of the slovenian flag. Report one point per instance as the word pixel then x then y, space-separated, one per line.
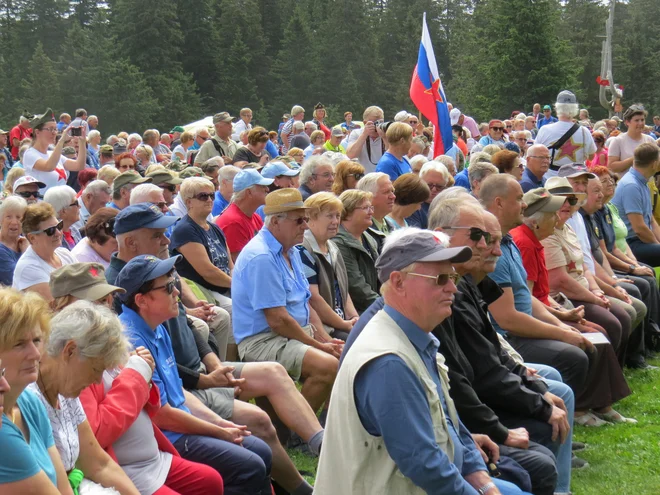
pixel 427 94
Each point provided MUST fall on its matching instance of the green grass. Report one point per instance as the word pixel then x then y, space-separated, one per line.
pixel 624 459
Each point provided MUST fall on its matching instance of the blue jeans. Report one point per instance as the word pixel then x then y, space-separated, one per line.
pixel 564 453
pixel 244 469
pixel 507 488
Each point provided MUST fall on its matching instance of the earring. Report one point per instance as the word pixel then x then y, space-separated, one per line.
pixel 536 227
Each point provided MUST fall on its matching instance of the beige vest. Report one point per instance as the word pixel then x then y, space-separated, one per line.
pixel 353 462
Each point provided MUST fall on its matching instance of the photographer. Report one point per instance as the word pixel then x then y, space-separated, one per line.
pixel 49 166
pixel 368 144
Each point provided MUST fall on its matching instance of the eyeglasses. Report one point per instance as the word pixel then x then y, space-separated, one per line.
pixel 508 127
pixel 50 129
pixel 299 220
pixel 30 194
pixel 607 181
pixel 357 176
pixel 497 128
pixel 326 175
pixel 204 196
pixel 202 138
pixel 169 287
pixel 475 233
pixel 438 187
pixel 572 200
pixel 170 187
pixel 50 231
pixel 441 279
pixel 367 208
pixel 162 205
pixel 542 158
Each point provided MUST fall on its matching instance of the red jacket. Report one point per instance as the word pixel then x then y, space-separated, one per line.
pixel 112 414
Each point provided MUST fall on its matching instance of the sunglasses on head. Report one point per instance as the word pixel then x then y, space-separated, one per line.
pixel 109 227
pixel 30 194
pixel 475 233
pixel 441 279
pixel 170 187
pixel 50 231
pixel 204 196
pixel 169 287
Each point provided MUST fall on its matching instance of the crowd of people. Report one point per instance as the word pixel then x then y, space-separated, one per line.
pixel 179 308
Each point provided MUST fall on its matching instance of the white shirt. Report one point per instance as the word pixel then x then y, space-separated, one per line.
pixel 85 253
pixel 367 158
pixel 57 177
pixel 576 150
pixel 624 147
pixel 577 224
pixel 238 129
pixel 32 270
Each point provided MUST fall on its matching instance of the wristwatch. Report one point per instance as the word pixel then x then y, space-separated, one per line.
pixel 484 489
pixel 631 268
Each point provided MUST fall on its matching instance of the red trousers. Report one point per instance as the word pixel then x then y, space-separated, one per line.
pixel 191 478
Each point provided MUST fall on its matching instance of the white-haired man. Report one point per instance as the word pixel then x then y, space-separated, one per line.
pixel 367 144
pixel 122 186
pixel 242 124
pixel 299 138
pixel 436 176
pixel 297 115
pixel 382 190
pixel 316 175
pixel 149 193
pixel 221 144
pixel 568 142
pixel 538 162
pixel 225 190
pixel 95 195
pixel 477 173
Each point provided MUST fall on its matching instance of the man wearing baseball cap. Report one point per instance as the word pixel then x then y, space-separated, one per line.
pixel 167 182
pixel 334 143
pixel 495 133
pixel 221 144
pixel 396 347
pixel 547 117
pixel 239 221
pixel 456 117
pixel 27 187
pixel 122 187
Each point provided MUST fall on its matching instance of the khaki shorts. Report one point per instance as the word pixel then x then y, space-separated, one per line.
pixel 220 400
pixel 270 346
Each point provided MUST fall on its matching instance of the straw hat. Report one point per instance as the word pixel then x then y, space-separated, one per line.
pixel 284 200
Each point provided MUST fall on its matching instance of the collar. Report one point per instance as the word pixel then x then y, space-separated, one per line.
pixel 527 232
pixel 137 323
pixel 418 337
pixel 116 263
pixel 306 189
pixel 529 175
pixel 507 240
pixel 273 244
pixel 638 176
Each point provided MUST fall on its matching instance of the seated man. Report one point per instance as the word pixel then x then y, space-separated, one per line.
pixel 204 374
pixel 405 437
pixel 271 295
pixel 536 334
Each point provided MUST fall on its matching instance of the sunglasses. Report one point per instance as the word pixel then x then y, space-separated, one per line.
pixel 30 194
pixel 50 231
pixel 441 279
pixel 357 176
pixel 475 233
pixel 202 138
pixel 204 196
pixel 170 187
pixel 75 203
pixel 572 201
pixel 162 205
pixel 299 220
pixel 169 287
pixel 497 128
pixel 436 186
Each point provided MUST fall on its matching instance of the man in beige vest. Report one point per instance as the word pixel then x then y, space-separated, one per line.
pixel 392 427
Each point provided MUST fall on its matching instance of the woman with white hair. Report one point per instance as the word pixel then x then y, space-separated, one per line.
pixel 93 142
pixel 133 141
pixel 417 162
pixel 12 243
pixel 145 157
pixel 205 258
pixel 67 209
pixel 85 340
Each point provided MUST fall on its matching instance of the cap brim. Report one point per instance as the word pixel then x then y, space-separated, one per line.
pixel 554 205
pixel 455 255
pixel 580 174
pixel 96 292
pixel 163 267
pixel 161 223
pixel 454 121
pixel 565 191
pixel 264 182
pixel 291 173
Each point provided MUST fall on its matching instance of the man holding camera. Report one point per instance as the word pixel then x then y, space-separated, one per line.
pixel 368 144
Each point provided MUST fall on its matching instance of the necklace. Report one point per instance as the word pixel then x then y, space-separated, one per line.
pixel 43 389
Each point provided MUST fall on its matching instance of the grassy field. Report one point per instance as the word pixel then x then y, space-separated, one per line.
pixel 624 459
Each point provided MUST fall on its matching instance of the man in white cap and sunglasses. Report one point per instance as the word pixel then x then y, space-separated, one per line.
pixel 404 437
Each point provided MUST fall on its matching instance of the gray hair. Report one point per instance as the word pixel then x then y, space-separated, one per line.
pixel 112 137
pixel 228 172
pixel 97 186
pixel 141 193
pixel 95 329
pixel 447 161
pixel 268 220
pixel 444 211
pixel 479 156
pixel 134 136
pixel 60 197
pixel 434 166
pixel 311 124
pixel 480 170
pixel 418 159
pixel 369 183
pixel 298 125
pixel 92 134
pixel 310 167
pixel 534 148
pixel 215 160
pixel 296 109
pixel 12 203
pixel 497 186
pixel 537 217
pixel 569 110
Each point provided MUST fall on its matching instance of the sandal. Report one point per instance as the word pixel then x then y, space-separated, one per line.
pixel 614 417
pixel 590 419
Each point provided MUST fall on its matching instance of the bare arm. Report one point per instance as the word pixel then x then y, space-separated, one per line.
pixel 615 164
pixel 282 323
pixel 98 466
pixel 62 479
pixel 42 289
pixel 354 149
pixel 39 484
pixel 643 232
pixel 196 255
pixel 325 312
pixel 561 281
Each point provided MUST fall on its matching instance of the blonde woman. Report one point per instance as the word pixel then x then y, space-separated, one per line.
pixel 108 173
pixel 180 152
pixel 13 175
pixel 144 154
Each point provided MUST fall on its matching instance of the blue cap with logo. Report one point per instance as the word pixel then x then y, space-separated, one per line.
pixel 140 270
pixel 142 216
pixel 275 169
pixel 249 177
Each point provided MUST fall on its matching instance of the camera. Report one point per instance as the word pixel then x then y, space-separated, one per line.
pixel 383 126
pixel 76 131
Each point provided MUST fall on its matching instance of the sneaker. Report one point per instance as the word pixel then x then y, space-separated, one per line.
pixel 577 463
pixel 577 446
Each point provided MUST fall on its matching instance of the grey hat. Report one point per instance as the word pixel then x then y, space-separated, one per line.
pixel 119 148
pixel 164 177
pixel 222 117
pixel 573 170
pixel 566 97
pixel 416 246
pixel 541 200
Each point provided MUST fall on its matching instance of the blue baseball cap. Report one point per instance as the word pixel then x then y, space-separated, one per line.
pixel 140 270
pixel 249 177
pixel 275 169
pixel 142 216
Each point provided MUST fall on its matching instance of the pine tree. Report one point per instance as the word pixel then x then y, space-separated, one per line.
pixel 40 88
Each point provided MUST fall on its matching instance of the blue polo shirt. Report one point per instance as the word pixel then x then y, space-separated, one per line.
pixel 633 196
pixel 262 279
pixel 462 179
pixel 392 166
pixel 165 376
pixel 510 272
pixel 529 181
pixel 219 204
pixel 383 411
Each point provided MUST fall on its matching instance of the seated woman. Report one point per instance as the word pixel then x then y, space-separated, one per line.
pixel 12 243
pixel 205 258
pixel 358 249
pixel 45 254
pixel 324 266
pixel 411 192
pixel 255 151
pixel 316 142
pixel 180 151
pixel 119 408
pixel 84 341
pixel 29 461
pixel 347 175
pixel 99 242
pixel 67 209
pixel 508 162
